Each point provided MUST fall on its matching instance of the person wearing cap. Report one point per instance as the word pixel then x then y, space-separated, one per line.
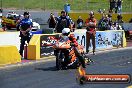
pixel 52 21
pixel 63 21
pixel 25 29
pixel 90 24
pixel 119 19
pixel 119 22
pixel 79 23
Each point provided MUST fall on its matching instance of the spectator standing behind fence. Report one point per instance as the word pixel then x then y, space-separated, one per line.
pixel 63 21
pixel 112 5
pixel 113 26
pixel 79 23
pixel 103 23
pixel 109 18
pixel 119 19
pixel 52 21
pixel 119 6
pixel 91 31
pixel 119 22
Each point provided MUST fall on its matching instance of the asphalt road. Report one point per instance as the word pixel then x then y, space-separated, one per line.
pixel 44 75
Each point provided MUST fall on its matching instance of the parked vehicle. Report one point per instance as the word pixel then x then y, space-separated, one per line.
pixel 10 20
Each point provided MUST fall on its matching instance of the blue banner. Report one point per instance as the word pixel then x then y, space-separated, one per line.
pixel 103 40
pixel 109 39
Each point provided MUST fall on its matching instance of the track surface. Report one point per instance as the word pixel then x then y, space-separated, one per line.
pixel 44 75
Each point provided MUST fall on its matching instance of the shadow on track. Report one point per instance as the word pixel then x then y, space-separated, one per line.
pixel 47 69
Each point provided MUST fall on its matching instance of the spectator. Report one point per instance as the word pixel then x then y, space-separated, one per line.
pixel 52 21
pixel 119 19
pixel 25 29
pixel 120 22
pixel 91 30
pixel 1 11
pixel 63 21
pixel 119 6
pixel 72 26
pixel 79 23
pixel 100 11
pixel 112 5
pixel 109 18
pixel 113 26
pixel 103 23
pixel 130 20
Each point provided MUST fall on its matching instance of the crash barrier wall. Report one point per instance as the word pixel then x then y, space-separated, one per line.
pixel 127 26
pixel 98 16
pixel 104 39
pixel 9 55
pixel 33 50
pixel 10 38
pixel 41 44
pixel 43 31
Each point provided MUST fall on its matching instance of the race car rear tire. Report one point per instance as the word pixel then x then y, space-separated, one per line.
pixel 58 61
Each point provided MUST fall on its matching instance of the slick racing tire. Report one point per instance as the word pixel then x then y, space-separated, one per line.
pixel 58 61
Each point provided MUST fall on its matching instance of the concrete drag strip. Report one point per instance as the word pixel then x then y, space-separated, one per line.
pixel 30 62
pixel 52 58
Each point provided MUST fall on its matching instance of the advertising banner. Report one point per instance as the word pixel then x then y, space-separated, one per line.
pixel 80 35
pixel 109 39
pixel 103 40
pixel 46 43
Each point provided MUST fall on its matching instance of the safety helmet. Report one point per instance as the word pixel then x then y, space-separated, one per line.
pixel 66 31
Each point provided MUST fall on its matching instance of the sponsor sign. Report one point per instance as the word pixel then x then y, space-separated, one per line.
pixel 81 37
pixel 46 43
pixel 109 39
